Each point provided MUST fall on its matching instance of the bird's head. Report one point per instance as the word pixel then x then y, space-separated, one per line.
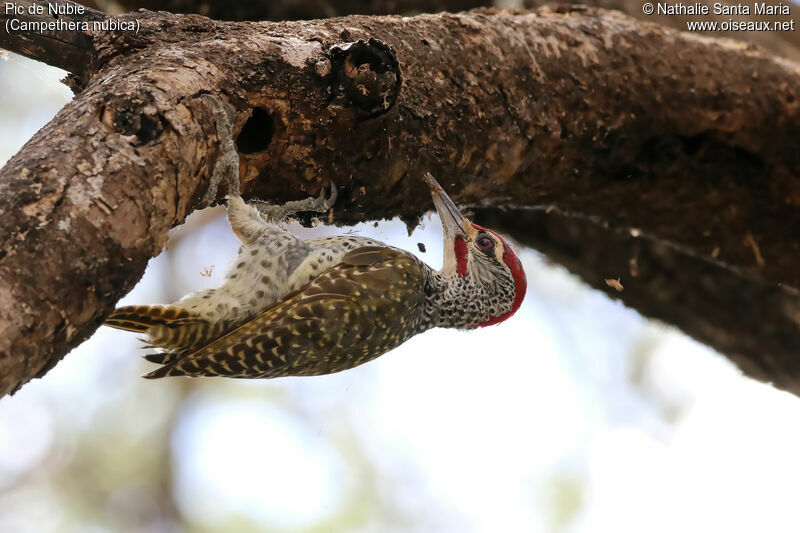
pixel 482 255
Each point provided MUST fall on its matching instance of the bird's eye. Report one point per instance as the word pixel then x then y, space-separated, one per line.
pixel 485 243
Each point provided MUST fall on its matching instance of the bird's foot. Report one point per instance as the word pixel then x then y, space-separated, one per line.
pixel 227 166
pixel 279 213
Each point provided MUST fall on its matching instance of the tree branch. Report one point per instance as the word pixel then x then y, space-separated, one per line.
pixel 784 43
pixel 66 49
pixel 756 324
pixel 692 141
pixel 301 9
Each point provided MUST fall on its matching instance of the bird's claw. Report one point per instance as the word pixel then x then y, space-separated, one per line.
pixel 327 203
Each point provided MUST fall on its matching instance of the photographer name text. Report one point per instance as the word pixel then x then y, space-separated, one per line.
pixel 697 8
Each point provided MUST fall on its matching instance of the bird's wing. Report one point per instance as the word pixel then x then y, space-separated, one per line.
pixel 349 314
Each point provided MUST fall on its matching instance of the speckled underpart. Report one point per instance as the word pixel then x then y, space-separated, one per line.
pixel 271 263
pixel 290 307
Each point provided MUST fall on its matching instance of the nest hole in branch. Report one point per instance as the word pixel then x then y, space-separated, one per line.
pixel 256 133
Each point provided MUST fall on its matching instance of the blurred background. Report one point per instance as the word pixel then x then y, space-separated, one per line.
pixel 577 415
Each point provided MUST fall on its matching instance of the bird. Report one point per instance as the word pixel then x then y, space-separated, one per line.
pixel 293 307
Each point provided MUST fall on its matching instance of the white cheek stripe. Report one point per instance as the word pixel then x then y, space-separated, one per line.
pixel 499 251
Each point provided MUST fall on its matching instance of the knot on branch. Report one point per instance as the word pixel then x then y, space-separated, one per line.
pixel 367 74
pixel 134 115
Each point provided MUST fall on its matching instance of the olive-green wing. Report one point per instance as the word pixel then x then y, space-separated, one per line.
pixel 353 312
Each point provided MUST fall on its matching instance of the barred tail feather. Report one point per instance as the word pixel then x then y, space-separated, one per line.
pixel 174 330
pixel 140 318
pixel 160 372
pixel 166 357
pixel 179 341
pixel 162 358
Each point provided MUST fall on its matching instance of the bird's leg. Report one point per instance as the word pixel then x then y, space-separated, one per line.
pixel 227 167
pixel 278 213
pixel 246 217
pixel 246 224
pixel 245 221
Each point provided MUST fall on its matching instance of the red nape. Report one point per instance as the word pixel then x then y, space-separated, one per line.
pixel 461 255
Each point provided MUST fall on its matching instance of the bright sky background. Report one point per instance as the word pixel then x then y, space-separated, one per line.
pixel 577 415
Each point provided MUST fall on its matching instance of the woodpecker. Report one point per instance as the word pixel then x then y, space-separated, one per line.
pixel 293 307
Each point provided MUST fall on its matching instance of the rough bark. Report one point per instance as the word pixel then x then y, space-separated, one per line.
pixel 300 9
pixel 785 43
pixel 693 141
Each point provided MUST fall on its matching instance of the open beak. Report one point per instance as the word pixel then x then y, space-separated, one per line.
pixel 452 220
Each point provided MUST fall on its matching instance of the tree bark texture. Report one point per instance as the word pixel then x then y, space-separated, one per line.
pixel 784 43
pixel 300 9
pixel 691 141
